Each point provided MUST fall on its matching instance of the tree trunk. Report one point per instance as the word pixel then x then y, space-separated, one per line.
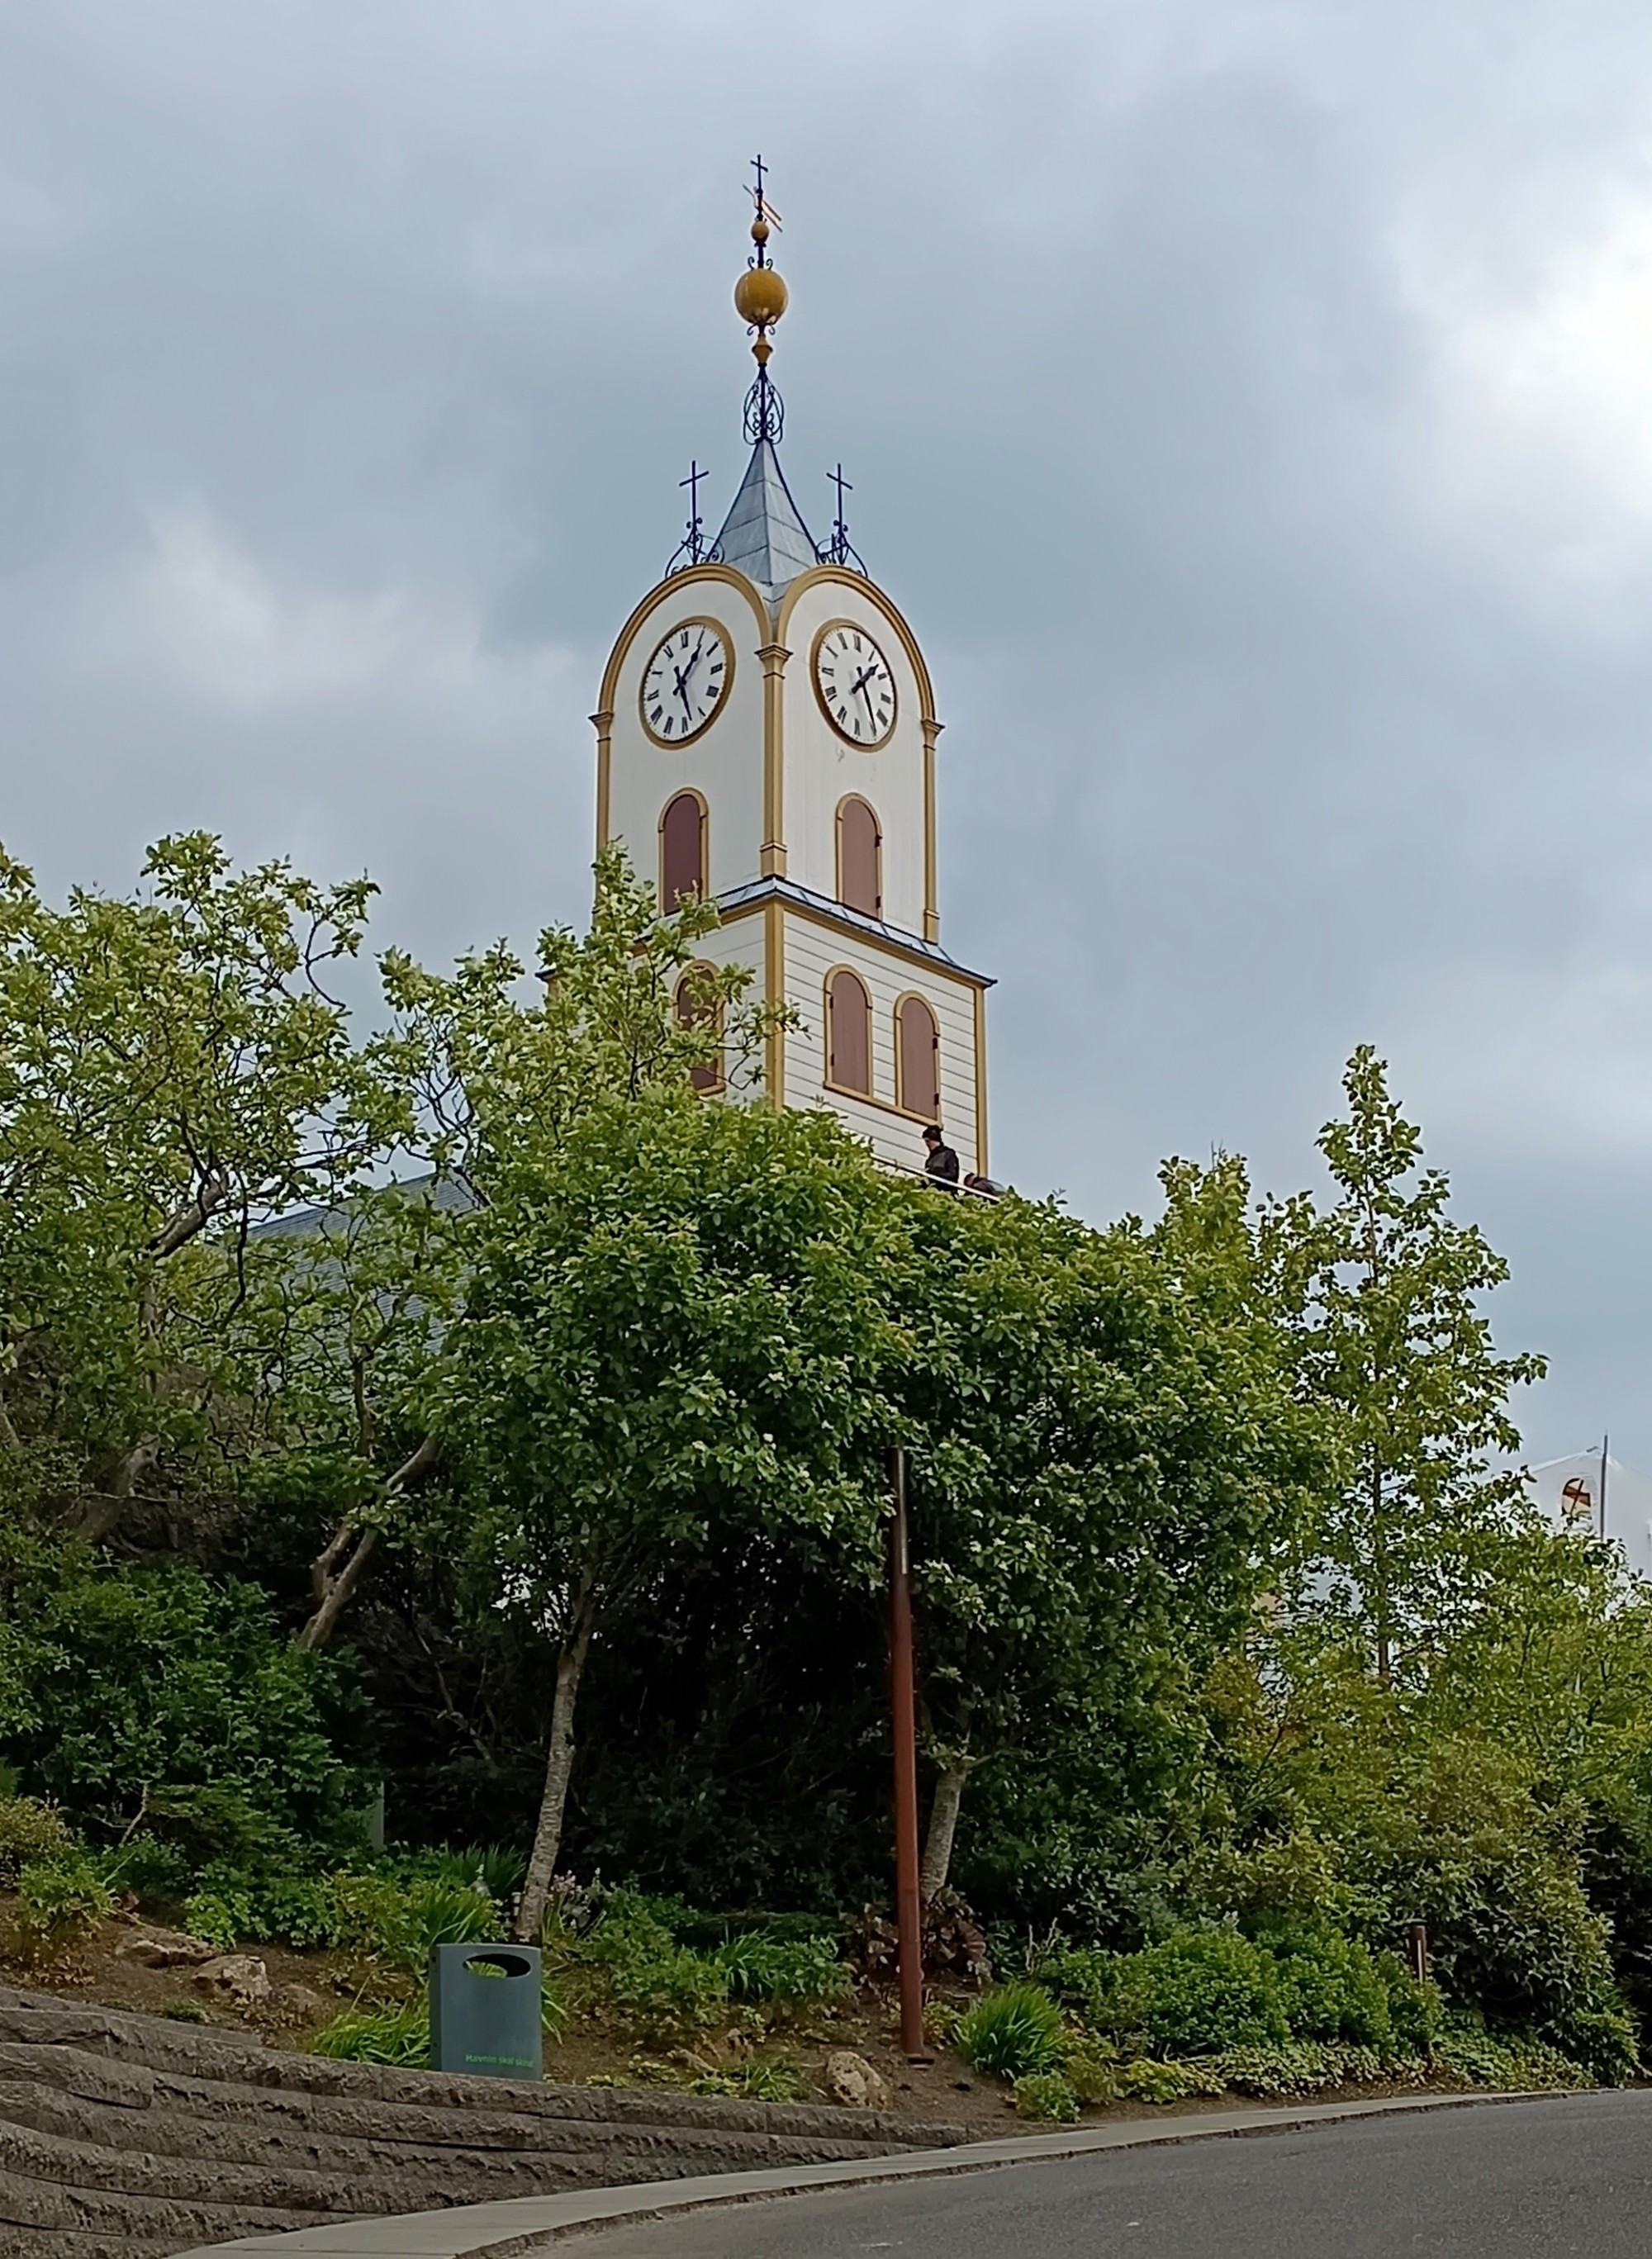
pixel 943 1828
pixel 336 1570
pixel 103 1512
pixel 547 1841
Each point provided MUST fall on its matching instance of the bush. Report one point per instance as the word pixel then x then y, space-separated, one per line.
pixel 1046 2095
pixel 1508 2060
pixel 395 2035
pixel 761 1967
pixel 30 1829
pixel 1309 2066
pixel 1146 2081
pixel 1331 1988
pixel 1092 2076
pixel 60 1902
pixel 755 2082
pixel 662 1986
pixel 179 1694
pixel 220 1918
pixel 1012 2032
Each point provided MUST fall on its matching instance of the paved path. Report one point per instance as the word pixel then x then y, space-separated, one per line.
pixel 1531 2181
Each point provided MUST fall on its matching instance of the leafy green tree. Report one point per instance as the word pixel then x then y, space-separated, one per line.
pixel 1383 1293
pixel 677 1330
pixel 173 1070
pixel 1110 1468
pixel 497 1074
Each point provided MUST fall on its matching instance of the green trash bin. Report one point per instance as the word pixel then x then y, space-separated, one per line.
pixel 486 2010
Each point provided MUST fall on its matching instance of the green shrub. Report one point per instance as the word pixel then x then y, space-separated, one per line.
pixel 755 2082
pixel 154 1872
pixel 759 1967
pixel 1144 2080
pixel 178 1693
pixel 395 2035
pixel 662 1987
pixel 1510 2061
pixel 1309 2066
pixel 220 1918
pixel 1046 2095
pixel 31 1829
pixel 185 2012
pixel 1331 1988
pixel 1012 2032
pixel 60 1902
pixel 1211 1989
pixel 1092 2076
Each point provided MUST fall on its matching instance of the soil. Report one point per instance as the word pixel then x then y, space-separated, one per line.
pixel 311 1988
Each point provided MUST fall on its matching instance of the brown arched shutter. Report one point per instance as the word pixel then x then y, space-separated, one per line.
pixel 848 1034
pixel 682 850
pixel 859 858
pixel 918 1059
pixel 696 1003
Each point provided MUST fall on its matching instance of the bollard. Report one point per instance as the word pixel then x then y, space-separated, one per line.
pixel 486 2011
pixel 1417 1950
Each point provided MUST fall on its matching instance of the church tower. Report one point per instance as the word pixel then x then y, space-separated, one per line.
pixel 767 736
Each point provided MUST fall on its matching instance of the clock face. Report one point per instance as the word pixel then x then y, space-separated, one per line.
pixel 686 681
pixel 853 684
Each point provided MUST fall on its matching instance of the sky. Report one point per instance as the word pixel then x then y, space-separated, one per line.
pixel 1249 402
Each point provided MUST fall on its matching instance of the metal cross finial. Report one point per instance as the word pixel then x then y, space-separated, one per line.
pixel 840 549
pixel 692 547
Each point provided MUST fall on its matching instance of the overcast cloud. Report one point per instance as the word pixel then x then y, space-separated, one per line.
pixel 1250 405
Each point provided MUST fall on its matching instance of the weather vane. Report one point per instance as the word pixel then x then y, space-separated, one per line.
pixel 760 297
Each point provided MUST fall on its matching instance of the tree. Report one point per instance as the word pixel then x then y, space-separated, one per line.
pixel 172 1071
pixel 676 1332
pixel 494 1074
pixel 1109 1468
pixel 1383 1295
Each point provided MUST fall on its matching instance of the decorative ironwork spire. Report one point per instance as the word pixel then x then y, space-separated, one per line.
pixel 760 298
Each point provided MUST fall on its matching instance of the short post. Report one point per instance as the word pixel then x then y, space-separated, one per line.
pixel 1417 1950
pixel 903 1712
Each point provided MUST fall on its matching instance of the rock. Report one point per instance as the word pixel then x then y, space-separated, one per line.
pixel 165 1948
pixel 852 2080
pixel 238 1977
pixel 300 2004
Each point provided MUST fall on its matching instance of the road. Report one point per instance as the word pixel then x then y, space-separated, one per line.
pixel 1524 2180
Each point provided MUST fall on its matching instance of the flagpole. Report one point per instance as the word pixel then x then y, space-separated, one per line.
pixel 1605 1440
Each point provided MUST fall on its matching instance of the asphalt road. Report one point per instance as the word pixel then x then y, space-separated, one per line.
pixel 1523 2180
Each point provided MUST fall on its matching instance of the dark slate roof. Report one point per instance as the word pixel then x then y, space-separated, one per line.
pixel 788 890
pixel 763 535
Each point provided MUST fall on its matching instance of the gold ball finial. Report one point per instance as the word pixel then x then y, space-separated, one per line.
pixel 760 297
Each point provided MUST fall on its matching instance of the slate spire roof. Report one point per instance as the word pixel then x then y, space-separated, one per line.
pixel 763 535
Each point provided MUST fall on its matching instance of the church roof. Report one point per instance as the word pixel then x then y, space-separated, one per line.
pixel 763 535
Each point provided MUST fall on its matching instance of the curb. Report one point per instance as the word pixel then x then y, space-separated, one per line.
pixel 517 2224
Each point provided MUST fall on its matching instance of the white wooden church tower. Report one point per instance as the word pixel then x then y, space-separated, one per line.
pixel 766 736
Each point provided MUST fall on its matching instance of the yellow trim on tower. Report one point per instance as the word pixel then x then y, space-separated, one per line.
pixel 774 996
pixel 931 900
pixel 602 722
pixel 656 596
pixel 774 656
pixel 840 576
pixel 980 1083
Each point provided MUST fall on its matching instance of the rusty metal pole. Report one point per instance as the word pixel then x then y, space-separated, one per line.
pixel 903 1715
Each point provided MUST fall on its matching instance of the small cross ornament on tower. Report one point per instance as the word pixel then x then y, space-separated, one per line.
pixel 840 549
pixel 691 548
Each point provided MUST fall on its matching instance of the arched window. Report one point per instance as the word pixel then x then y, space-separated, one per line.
pixel 682 850
pixel 697 1002
pixel 918 1059
pixel 848 1034
pixel 859 857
